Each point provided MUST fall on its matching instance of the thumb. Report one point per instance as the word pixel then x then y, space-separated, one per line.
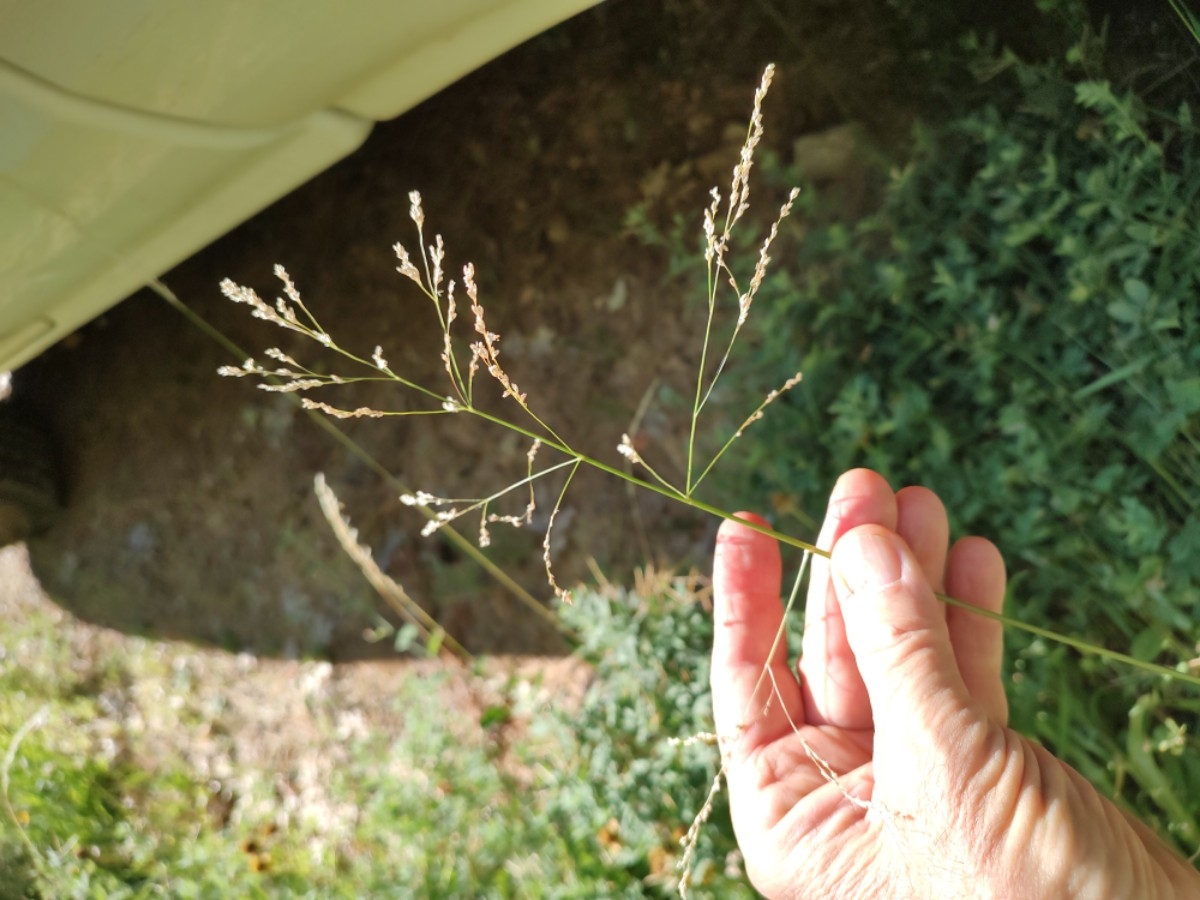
pixel 896 629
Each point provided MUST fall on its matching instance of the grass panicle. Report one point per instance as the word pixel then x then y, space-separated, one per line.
pixel 483 353
pixel 464 357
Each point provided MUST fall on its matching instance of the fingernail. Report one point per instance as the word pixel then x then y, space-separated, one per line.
pixel 867 561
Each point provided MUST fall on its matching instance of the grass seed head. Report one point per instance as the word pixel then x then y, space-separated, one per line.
pixel 363 412
pixel 406 267
pixel 627 450
pixel 420 498
pixel 415 212
pixel 437 253
pixel 289 387
pixel 739 190
pixel 289 287
pixel 276 354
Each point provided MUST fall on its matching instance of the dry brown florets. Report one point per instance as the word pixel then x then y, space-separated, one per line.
pixel 487 351
pixel 378 358
pixel 760 269
pixel 415 212
pixel 739 190
pixel 627 450
pixel 437 253
pixel 771 397
pixel 406 267
pixel 363 412
pixel 298 384
pixel 559 592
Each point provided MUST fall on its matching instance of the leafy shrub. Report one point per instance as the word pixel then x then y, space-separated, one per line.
pixel 625 779
pixel 1015 327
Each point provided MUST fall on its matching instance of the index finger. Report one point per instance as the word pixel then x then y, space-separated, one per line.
pixel 754 690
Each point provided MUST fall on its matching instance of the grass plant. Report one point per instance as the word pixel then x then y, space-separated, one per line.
pixel 723 327
pixel 286 374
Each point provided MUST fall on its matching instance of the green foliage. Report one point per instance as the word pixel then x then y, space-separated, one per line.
pixel 98 832
pixel 1016 327
pixel 105 828
pixel 587 802
pixel 650 657
pixel 443 814
pixel 506 798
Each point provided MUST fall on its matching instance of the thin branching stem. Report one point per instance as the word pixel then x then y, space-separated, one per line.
pixel 779 634
pixel 629 451
pixel 663 481
pixel 716 458
pixel 559 592
pixel 720 369
pixel 392 375
pixel 698 403
pixel 750 420
pixel 1008 621
pixel 1075 643
pixel 550 431
pixel 484 502
pixel 451 534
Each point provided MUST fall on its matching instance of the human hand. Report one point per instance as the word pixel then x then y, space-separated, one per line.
pixel 887 769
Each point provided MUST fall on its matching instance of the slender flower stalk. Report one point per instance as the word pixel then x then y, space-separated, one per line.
pixel 716 246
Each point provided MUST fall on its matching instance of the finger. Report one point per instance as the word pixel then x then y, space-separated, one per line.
pixel 921 521
pixel 898 632
pixel 749 667
pixel 975 575
pixel 833 690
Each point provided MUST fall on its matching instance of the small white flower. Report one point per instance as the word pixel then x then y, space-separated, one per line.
pixel 420 498
pixel 277 354
pixel 626 449
pixel 300 384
